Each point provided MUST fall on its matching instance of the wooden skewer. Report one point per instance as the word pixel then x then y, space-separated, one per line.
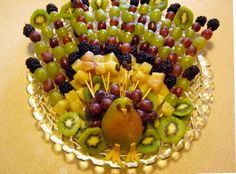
pixel 136 84
pixel 90 80
pixel 108 80
pixel 103 80
pixel 145 95
pixel 91 91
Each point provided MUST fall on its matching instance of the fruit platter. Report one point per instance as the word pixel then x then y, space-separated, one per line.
pixel 120 83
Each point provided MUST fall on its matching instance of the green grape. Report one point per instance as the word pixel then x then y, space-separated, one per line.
pixel 128 16
pixel 54 97
pixel 148 35
pixel 61 32
pixel 91 35
pixel 54 16
pixel 112 30
pixel 89 16
pixel 176 33
pixel 167 23
pixel 114 12
pixel 183 83
pixel 40 47
pixel 189 33
pixel 70 47
pixel 158 41
pixel 139 29
pixel 40 74
pixel 164 52
pixel 73 22
pixel 52 69
pixel 172 99
pixel 179 49
pixel 186 61
pixel 143 9
pixel 58 52
pixel 100 15
pixel 78 12
pixel 102 35
pixel 155 15
pixel 80 28
pixel 121 35
pixel 127 37
pixel 47 32
pixel 199 42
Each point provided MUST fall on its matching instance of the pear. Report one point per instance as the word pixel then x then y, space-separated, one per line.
pixel 121 124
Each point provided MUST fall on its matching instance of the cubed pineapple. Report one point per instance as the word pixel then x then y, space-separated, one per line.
pixel 75 84
pixel 98 58
pixel 71 96
pixel 164 91
pixel 76 106
pixel 111 67
pixel 81 77
pixel 167 109
pixel 145 68
pixel 76 65
pixel 141 76
pixel 157 75
pixel 61 107
pixel 88 56
pixel 110 57
pixel 100 68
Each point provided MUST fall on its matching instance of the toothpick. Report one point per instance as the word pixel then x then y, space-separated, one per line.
pixel 104 84
pixel 135 86
pixel 149 90
pixel 90 80
pixel 108 80
pixel 90 90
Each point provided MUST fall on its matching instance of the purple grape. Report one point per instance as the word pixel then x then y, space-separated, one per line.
pixel 146 105
pixel 136 95
pixel 95 109
pixel 111 96
pixel 114 89
pixel 141 113
pixel 105 103
pixel 152 115
pixel 95 123
pixel 99 95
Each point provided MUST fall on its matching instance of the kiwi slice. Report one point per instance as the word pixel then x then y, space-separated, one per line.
pixel 68 123
pixel 160 4
pixel 92 141
pixel 171 129
pixel 40 18
pixel 183 18
pixel 150 142
pixel 184 107
pixel 66 11
pixel 97 4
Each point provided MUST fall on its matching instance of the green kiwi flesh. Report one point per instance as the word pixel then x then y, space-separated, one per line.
pixel 92 141
pixel 150 142
pixel 171 129
pixel 39 19
pixel 184 108
pixel 183 18
pixel 97 4
pixel 160 4
pixel 66 11
pixel 68 123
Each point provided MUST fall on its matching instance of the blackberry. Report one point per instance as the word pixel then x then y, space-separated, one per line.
pixel 191 72
pixel 125 58
pixel 70 72
pixel 149 59
pixel 174 7
pixel 28 29
pixel 83 46
pixel 144 1
pixel 65 87
pixel 201 20
pixel 74 56
pixel 134 50
pixel 32 64
pixel 86 2
pixel 170 81
pixel 134 2
pixel 95 49
pixel 165 67
pixel 141 57
pixel 111 48
pixel 51 7
pixel 213 24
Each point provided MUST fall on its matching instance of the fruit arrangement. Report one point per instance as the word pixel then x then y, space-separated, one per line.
pixel 116 73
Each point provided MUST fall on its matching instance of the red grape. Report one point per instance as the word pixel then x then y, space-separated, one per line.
pixel 132 8
pixel 142 19
pixel 169 41
pixel 129 27
pixel 177 70
pixel 144 46
pixel 114 89
pixel 178 91
pixel 196 26
pixel 135 40
pixel 60 78
pixel 95 109
pixel 173 57
pixel 170 15
pixel 192 51
pixel 186 42
pixel 89 26
pixel 146 105
pixel 152 50
pixel 164 31
pixel 81 19
pixel 35 36
pixel 65 63
pixel 114 21
pixel 125 48
pixel 58 24
pixel 112 40
pixel 136 95
pixel 47 57
pixel 105 103
pixel 66 39
pixel 207 34
pixel 116 3
pixel 53 42
pixel 99 95
pixel 48 85
pixel 102 25
pixel 152 26
pixel 83 37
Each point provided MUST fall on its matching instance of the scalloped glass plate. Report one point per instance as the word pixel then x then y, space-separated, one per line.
pixel 200 93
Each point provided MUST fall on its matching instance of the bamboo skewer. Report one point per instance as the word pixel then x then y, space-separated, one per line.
pixel 91 91
pixel 90 80
pixel 108 80
pixel 145 95
pixel 103 80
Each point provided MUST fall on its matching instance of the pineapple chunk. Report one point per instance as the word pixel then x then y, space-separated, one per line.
pixel 100 68
pixel 157 75
pixel 167 109
pixel 61 107
pixel 84 66
pixel 164 91
pixel 141 76
pixel 71 96
pixel 143 87
pixel 111 67
pixel 110 57
pixel 76 106
pixel 76 65
pixel 88 56
pixel 98 58
pixel 145 68
pixel 81 77
pixel 75 84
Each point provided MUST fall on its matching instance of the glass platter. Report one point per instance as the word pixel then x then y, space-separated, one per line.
pixel 201 94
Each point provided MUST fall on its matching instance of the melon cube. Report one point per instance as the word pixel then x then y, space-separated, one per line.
pixel 111 67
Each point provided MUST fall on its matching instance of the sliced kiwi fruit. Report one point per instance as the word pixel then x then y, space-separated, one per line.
pixel 92 141
pixel 40 18
pixel 184 108
pixel 171 129
pixel 69 123
pixel 160 4
pixel 183 18
pixel 66 11
pixel 97 4
pixel 150 142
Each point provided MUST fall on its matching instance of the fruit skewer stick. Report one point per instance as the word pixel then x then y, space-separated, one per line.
pixel 108 81
pixel 104 83
pixel 90 90
pixel 135 85
pixel 90 80
pixel 145 95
